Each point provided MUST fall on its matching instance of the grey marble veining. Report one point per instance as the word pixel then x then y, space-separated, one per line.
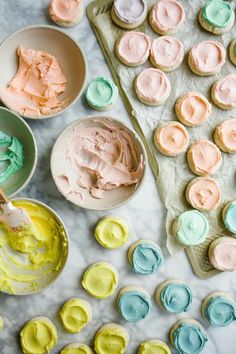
pixel 144 214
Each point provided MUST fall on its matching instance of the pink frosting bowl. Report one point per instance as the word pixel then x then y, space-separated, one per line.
pixel 98 163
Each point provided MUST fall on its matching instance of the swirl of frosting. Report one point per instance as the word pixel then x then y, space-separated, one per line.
pixel 204 158
pixel 130 11
pixel 147 258
pixel 111 338
pixel 153 346
pixel 225 135
pixel 167 15
pixel 167 52
pixel 192 109
pixel 171 139
pixel 224 91
pixel 220 310
pixel 229 216
pixel 191 227
pixel 218 13
pixel 133 48
pixel 222 254
pixel 203 193
pixel 101 93
pixel 64 10
pixel 207 56
pixel 176 297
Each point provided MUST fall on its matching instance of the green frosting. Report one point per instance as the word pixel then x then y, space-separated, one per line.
pixel 12 153
pixel 218 13
pixel 220 311
pixel 230 217
pixel 101 93
pixel 189 338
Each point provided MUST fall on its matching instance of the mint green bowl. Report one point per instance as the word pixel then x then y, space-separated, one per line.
pixel 12 124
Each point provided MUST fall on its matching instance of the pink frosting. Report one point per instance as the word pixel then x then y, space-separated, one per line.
pixel 208 56
pixel 133 47
pixel 167 51
pixel 64 10
pixel 223 254
pixel 167 15
pixel 225 90
pixel 226 132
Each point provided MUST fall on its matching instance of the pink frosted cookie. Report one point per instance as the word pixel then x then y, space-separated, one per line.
pixel 222 253
pixel 223 92
pixel 225 135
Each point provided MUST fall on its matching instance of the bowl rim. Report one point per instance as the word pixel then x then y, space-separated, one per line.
pixel 137 138
pixel 57 216
pixel 51 27
pixel 30 131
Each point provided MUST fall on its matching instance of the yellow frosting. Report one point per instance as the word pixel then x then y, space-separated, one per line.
pixel 30 258
pixel 75 314
pixel 100 280
pixel 154 347
pixel 77 349
pixel 38 336
pixel 1 323
pixel 111 232
pixel 111 338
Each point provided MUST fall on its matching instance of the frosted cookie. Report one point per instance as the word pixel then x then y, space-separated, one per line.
pixel 1 323
pixel 191 228
pixel 77 348
pixel 225 135
pixel 145 257
pixel 188 336
pixel 102 94
pixel 75 314
pixel 133 48
pixel 217 16
pixel 174 296
pixel 154 346
pixel 66 13
pixel 111 338
pixel 167 53
pixel 204 158
pixel 232 51
pixel 129 14
pixel 222 253
pixel 223 92
pixel 152 87
pixel 219 309
pixel 133 303
pixel 229 216
pixel 167 16
pixel 203 194
pixel 206 58
pixel 92 280
pixel 192 109
pixel 112 232
pixel 38 336
pixel 171 139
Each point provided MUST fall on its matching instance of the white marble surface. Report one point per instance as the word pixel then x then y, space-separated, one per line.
pixel 144 214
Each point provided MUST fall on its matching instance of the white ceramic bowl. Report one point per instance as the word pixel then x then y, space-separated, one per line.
pixel 55 42
pixel 111 199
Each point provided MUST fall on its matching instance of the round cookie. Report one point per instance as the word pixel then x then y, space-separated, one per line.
pixel 167 53
pixel 145 257
pixel 191 228
pixel 232 51
pixel 204 158
pixel 203 194
pixel 152 87
pixel 133 48
pixel 171 138
pixel 223 92
pixel 206 58
pixel 44 341
pixel 66 13
pixel 219 309
pixel 77 348
pixel 167 16
pixel 188 336
pixel 1 323
pixel 154 346
pixel 129 15
pixel 102 94
pixel 225 137
pixel 75 314
pixel 111 232
pixel 222 253
pixel 229 216
pixel 217 16
pixel 174 296
pixel 133 303
pixel 111 338
pixel 92 280
pixel 192 109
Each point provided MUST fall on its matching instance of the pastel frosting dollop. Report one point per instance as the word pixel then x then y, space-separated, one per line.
pixel 112 232
pixel 134 305
pixel 147 258
pixel 111 338
pixel 75 314
pixel 225 91
pixel 229 217
pixel 64 10
pixel 223 254
pixel 167 15
pixel 226 132
pixel 188 338
pixel 154 347
pixel 176 297
pixel 101 93
pixel 218 13
pixel 167 51
pixel 208 56
pixel 130 11
pixel 77 349
pixel 220 311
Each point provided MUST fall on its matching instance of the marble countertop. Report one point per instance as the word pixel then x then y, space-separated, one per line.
pixel 144 214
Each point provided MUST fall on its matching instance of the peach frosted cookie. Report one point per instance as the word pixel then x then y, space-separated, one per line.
pixel 171 139
pixel 203 194
pixel 192 109
pixel 223 92
pixel 66 13
pixel 225 135
pixel 222 253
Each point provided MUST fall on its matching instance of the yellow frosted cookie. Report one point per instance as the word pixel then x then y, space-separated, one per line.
pixel 111 338
pixel 77 348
